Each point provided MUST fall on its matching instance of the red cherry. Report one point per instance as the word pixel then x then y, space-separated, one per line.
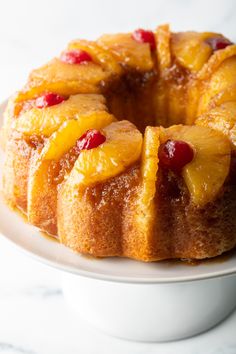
pixel 48 100
pixel 76 57
pixel 143 36
pixel 175 154
pixel 90 140
pixel 217 43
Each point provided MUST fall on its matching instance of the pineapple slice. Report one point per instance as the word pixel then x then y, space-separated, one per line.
pixel 217 75
pixel 223 119
pixel 65 79
pixel 205 175
pixel 99 54
pixel 45 121
pixel 122 148
pixel 127 51
pixel 149 165
pixel 145 215
pixel 160 89
pixel 196 55
pixel 163 36
pixel 218 57
pixel 191 50
pixel 227 95
pixel 42 190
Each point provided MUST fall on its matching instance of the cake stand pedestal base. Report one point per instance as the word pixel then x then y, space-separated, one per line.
pixel 151 312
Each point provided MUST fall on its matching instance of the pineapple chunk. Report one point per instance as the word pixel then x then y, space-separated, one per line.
pixel 45 121
pixel 223 119
pixel 42 192
pixel 122 148
pixel 127 51
pixel 191 50
pixel 205 175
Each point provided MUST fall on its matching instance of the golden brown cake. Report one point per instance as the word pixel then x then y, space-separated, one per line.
pixel 126 146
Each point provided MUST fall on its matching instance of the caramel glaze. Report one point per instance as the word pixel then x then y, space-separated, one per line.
pixel 185 227
pixel 58 169
pixel 197 262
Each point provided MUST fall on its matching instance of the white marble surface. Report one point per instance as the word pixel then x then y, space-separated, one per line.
pixel 33 316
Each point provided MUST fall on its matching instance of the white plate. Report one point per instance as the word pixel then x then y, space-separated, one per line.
pixel 31 241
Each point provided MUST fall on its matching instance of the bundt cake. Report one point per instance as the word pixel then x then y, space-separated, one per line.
pixel 126 146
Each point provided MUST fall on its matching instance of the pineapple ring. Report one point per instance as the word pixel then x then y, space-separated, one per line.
pixel 149 167
pixel 127 51
pixel 45 121
pixel 65 137
pixel 121 149
pixel 99 55
pixel 223 119
pixel 191 50
pixel 64 79
pixel 206 173
pixel 215 61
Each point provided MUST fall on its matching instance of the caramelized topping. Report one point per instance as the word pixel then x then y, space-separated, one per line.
pixel 175 154
pixel 76 57
pixel 36 141
pixel 58 170
pixel 144 36
pixel 217 43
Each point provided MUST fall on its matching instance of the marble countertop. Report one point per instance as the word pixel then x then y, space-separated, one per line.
pixel 33 316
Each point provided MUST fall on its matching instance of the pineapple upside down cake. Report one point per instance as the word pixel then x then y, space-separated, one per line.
pixel 126 146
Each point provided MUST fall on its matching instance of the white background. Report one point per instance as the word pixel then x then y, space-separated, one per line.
pixel 33 316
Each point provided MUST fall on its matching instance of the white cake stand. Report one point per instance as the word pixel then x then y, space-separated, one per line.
pixel 133 300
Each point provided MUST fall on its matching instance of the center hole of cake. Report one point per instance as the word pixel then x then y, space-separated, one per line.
pixel 145 99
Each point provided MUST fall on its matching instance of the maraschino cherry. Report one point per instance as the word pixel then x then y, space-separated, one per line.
pixel 90 140
pixel 77 56
pixel 144 36
pixel 175 154
pixel 48 100
pixel 217 43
